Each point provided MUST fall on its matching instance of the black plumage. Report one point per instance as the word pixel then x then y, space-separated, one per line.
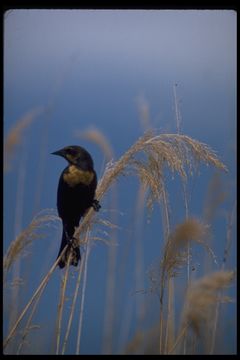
pixel 76 192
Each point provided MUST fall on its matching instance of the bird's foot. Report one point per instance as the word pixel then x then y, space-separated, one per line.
pixel 76 255
pixel 73 242
pixel 96 205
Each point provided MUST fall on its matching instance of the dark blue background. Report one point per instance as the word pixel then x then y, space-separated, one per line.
pixel 90 68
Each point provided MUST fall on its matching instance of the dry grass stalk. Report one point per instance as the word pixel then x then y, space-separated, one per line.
pixel 83 296
pixel 175 249
pixel 102 234
pixel 202 298
pixel 166 228
pixel 137 306
pixel 174 151
pixel 146 341
pixel 175 256
pixel 169 336
pixel 144 112
pixel 112 171
pixel 177 110
pixel 72 307
pixel 171 150
pixel 135 345
pixel 35 296
pixel 181 150
pixel 61 303
pixel 179 338
pixel 25 238
pixel 230 223
pixel 97 137
pixel 226 253
pixel 216 195
pixel 15 135
pixel 28 326
pixel 139 253
pixel 82 264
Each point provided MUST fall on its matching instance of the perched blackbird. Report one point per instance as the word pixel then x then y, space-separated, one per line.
pixel 76 191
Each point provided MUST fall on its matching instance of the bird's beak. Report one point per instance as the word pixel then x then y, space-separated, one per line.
pixel 59 153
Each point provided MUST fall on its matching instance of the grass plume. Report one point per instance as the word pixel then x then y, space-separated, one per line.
pixel 174 255
pixel 172 150
pixel 97 137
pixel 15 135
pixel 27 236
pixel 202 297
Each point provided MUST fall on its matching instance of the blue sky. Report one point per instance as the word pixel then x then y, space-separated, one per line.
pixel 92 67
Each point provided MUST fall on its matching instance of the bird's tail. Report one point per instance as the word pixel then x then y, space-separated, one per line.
pixel 71 249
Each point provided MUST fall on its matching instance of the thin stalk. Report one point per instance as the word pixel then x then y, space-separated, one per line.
pixel 179 338
pixel 177 112
pixel 61 304
pixel 161 328
pixel 25 333
pixel 110 295
pixel 194 344
pixel 124 328
pixel 139 257
pixel 185 198
pixel 188 246
pixel 83 295
pixel 17 229
pixel 109 313
pixel 166 213
pixel 135 305
pixel 167 231
pixel 73 307
pixel 42 284
pixel 42 158
pixel 169 328
pixel 226 251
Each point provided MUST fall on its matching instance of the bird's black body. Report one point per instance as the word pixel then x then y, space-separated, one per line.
pixel 76 191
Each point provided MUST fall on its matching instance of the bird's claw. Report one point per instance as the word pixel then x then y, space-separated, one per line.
pixel 96 205
pixel 72 243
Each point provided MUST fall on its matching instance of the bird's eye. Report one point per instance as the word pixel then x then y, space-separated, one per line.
pixel 72 151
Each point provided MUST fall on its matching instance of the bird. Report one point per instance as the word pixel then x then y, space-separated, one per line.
pixel 75 195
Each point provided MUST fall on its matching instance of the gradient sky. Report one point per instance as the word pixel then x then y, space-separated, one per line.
pixel 91 67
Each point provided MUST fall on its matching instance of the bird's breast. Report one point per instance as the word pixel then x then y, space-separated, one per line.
pixel 74 176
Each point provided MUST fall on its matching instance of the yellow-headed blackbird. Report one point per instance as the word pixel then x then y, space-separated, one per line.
pixel 76 191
